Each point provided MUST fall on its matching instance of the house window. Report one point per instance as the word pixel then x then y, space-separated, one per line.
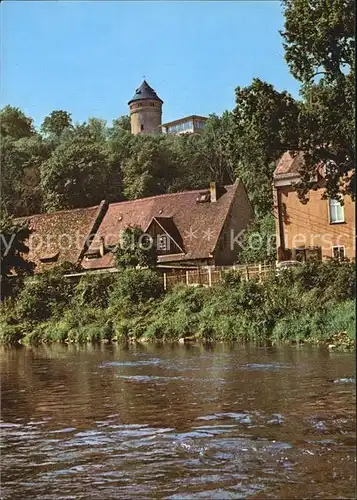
pixel 308 254
pixel 338 252
pixel 141 127
pixel 336 211
pixel 199 124
pixel 92 255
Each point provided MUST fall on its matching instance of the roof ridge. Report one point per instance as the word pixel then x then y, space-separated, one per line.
pixel 188 191
pixel 59 211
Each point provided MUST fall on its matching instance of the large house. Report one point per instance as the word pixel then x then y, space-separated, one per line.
pixel 188 229
pixel 321 228
pixel 188 125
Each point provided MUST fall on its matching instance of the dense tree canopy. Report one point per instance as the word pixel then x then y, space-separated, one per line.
pixel 56 123
pixel 264 123
pixel 15 124
pixel 76 175
pixel 13 247
pixel 319 42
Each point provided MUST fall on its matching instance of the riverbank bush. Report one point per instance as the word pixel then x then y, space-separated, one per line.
pixel 314 302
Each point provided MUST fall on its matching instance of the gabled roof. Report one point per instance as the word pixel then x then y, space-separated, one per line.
pixel 62 236
pixel 168 225
pixel 289 164
pixel 198 224
pixel 145 92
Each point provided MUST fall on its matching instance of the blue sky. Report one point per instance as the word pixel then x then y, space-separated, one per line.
pixel 88 57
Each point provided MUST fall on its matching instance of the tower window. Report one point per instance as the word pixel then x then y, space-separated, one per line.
pixel 141 127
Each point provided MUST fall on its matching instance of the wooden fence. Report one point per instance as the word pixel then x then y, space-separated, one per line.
pixel 208 276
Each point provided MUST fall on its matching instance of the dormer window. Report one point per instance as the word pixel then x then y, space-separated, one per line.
pixel 203 198
pixel 162 242
pixel 92 255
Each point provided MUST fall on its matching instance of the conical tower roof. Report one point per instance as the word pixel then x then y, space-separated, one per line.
pixel 145 92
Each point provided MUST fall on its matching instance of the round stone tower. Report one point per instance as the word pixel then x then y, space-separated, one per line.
pixel 145 110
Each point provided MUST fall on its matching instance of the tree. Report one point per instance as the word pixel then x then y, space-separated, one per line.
pixel 122 123
pixel 56 123
pixel 20 174
pixel 319 43
pixel 193 171
pixel 216 146
pixel 150 168
pixel 136 249
pixel 98 129
pixel 13 236
pixel 78 174
pixel 44 296
pixel 258 243
pixel 264 126
pixel 15 124
pixel 319 38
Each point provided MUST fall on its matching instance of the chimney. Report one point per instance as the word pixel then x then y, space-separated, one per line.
pixel 213 191
pixel 101 247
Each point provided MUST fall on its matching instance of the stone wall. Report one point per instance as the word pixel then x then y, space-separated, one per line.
pixel 145 116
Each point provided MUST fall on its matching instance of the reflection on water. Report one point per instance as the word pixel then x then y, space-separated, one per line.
pixel 176 422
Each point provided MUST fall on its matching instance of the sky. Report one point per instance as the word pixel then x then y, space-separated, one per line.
pixel 88 57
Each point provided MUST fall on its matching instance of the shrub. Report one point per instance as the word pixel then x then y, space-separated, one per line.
pixel 341 318
pixel 11 333
pixel 299 326
pixel 135 286
pixel 44 296
pixel 94 290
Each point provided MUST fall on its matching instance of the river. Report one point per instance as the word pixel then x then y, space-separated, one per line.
pixel 176 422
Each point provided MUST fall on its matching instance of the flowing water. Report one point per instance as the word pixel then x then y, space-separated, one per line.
pixel 177 421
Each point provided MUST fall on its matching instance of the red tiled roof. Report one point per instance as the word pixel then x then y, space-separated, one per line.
pixel 289 164
pixel 199 224
pixel 63 233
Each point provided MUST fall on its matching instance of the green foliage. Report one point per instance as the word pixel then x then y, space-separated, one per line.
pixel 264 124
pixel 94 290
pixel 319 36
pixel 136 249
pixel 135 286
pixel 13 248
pixel 182 306
pixel 314 302
pixel 15 124
pixel 258 243
pixel 44 296
pixel 76 175
pixel 11 333
pixel 150 168
pixel 56 123
pixel 121 123
pixel 20 163
pixel 321 325
pixel 319 42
